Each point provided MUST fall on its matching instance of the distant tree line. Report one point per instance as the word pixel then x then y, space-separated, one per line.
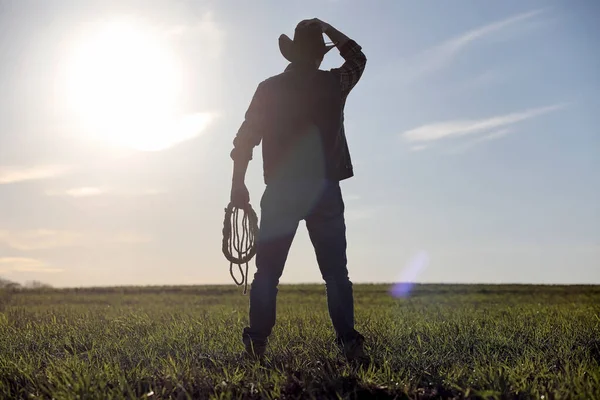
pixel 6 284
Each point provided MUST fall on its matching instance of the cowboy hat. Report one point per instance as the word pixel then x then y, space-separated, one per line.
pixel 308 43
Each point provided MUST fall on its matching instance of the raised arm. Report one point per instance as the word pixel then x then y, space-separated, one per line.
pixel 355 60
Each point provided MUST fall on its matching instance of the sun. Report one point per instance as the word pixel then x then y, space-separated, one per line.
pixel 123 85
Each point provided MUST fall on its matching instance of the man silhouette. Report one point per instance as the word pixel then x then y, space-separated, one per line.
pixel 299 117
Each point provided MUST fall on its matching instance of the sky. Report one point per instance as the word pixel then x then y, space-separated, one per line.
pixel 474 134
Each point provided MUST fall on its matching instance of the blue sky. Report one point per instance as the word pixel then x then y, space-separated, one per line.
pixel 474 134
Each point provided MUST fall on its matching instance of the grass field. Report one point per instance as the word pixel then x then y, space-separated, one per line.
pixel 444 341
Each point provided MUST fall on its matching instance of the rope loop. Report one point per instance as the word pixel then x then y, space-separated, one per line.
pixel 239 240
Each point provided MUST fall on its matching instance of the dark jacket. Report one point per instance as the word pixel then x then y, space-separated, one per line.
pixel 299 116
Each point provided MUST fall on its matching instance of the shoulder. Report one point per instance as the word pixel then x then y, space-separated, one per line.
pixel 322 78
pixel 275 79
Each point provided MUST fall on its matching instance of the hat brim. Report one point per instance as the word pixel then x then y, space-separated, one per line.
pixel 286 47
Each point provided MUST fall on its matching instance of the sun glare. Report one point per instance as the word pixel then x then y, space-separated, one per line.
pixel 123 84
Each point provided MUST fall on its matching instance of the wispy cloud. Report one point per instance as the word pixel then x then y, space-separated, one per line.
pixel 14 174
pixel 439 56
pixel 418 147
pixel 40 239
pixel 456 44
pixel 494 135
pixel 454 128
pixel 84 191
pixel 43 239
pixel 93 191
pixel 23 264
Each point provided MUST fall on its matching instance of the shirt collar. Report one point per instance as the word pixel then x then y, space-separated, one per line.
pixel 300 67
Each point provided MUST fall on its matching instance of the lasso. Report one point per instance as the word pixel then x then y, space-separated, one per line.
pixel 239 240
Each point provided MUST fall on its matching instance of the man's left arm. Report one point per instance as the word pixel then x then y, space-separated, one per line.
pixel 249 136
pixel 355 60
pixel 354 66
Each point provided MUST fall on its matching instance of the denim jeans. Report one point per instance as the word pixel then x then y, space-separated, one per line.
pixel 283 206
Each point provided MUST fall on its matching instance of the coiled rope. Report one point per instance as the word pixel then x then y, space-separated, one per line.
pixel 239 240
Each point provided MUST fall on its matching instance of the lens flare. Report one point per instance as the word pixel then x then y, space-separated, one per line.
pixel 408 276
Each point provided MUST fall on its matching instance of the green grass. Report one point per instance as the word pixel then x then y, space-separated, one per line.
pixel 444 341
